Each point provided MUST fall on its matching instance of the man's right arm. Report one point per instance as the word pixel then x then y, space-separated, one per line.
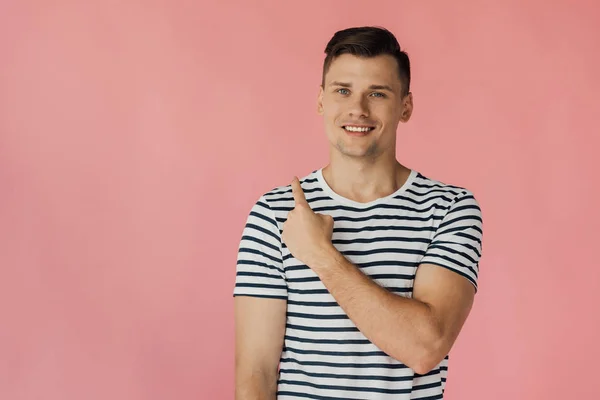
pixel 259 332
pixel 260 306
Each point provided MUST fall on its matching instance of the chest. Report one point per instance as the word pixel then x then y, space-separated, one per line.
pixel 387 246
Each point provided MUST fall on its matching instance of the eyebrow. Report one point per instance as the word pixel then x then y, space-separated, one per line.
pixel 372 87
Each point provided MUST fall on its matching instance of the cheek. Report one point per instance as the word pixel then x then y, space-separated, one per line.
pixel 331 107
pixel 389 118
pixel 331 113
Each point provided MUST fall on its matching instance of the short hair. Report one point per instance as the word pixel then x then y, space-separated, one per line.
pixel 368 41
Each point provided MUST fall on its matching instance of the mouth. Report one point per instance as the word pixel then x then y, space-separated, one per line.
pixel 354 130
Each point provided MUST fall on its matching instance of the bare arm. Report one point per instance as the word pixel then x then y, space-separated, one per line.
pixel 420 331
pixel 259 333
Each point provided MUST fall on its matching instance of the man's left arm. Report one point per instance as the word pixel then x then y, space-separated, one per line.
pixel 418 331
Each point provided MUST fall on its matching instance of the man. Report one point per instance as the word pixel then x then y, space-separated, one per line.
pixel 355 281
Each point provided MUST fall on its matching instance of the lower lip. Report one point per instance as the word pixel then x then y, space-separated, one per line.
pixel 358 133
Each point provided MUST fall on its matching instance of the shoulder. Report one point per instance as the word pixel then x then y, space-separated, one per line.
pixel 446 200
pixel 448 192
pixel 429 184
pixel 279 200
pixel 280 196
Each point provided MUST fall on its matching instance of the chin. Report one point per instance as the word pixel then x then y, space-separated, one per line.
pixel 355 151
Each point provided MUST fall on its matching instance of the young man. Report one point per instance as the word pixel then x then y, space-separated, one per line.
pixel 355 281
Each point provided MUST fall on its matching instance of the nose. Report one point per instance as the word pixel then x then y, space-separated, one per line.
pixel 359 107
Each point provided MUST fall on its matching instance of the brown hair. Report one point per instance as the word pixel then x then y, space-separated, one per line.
pixel 368 41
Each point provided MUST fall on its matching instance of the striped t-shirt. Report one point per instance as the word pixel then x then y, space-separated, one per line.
pixel 324 355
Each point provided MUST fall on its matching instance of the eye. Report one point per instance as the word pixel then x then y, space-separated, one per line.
pixel 378 94
pixel 343 91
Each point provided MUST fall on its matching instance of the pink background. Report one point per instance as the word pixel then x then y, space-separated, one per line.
pixel 135 136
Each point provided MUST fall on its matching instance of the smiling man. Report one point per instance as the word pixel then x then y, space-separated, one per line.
pixel 355 281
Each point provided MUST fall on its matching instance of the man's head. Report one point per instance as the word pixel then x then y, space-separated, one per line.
pixel 365 91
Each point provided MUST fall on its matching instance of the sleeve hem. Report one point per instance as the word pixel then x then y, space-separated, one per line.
pixel 469 278
pixel 264 296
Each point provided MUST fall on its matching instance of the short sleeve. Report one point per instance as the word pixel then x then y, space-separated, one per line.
pixel 457 243
pixel 259 271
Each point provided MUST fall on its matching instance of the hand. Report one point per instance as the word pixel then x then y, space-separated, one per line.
pixel 305 233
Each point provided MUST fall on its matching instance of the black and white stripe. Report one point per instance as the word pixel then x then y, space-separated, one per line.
pixel 325 356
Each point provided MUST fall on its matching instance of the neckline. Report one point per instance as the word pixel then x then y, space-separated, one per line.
pixel 344 200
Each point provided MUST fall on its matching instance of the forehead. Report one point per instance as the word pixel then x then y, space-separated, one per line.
pixel 381 70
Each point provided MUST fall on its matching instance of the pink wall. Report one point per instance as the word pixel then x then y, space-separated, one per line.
pixel 133 141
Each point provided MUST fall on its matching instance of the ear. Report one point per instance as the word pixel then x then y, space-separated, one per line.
pixel 407 107
pixel 320 101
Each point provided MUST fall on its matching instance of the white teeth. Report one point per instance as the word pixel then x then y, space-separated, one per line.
pixel 356 129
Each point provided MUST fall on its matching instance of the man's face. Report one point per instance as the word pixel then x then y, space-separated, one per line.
pixel 362 103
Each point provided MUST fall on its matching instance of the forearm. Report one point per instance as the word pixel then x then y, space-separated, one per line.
pixel 257 386
pixel 404 328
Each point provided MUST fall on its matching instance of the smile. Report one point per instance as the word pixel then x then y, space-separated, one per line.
pixel 358 129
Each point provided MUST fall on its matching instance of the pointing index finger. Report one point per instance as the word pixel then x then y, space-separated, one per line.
pixel 298 193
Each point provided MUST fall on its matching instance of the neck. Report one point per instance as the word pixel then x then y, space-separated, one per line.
pixel 364 181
